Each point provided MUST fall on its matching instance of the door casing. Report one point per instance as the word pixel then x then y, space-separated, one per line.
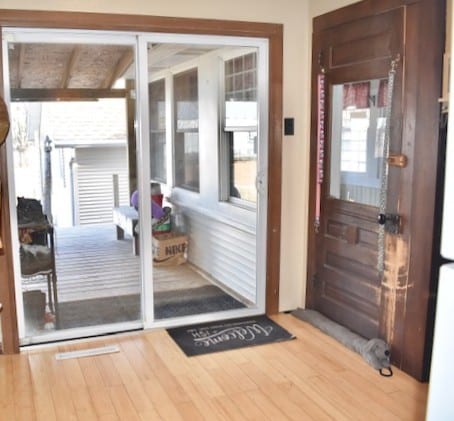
pixel 136 23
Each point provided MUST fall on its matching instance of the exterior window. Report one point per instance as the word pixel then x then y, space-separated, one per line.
pixel 243 165
pixel 240 130
pixel 186 139
pixel 156 92
pixel 358 129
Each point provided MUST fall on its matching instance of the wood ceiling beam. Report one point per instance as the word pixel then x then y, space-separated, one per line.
pixel 44 95
pixel 20 66
pixel 122 65
pixel 66 77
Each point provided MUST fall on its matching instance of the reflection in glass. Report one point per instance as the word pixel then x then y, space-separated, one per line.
pixel 186 130
pixel 156 92
pixel 243 165
pixel 73 168
pixel 204 260
pixel 241 121
pixel 357 134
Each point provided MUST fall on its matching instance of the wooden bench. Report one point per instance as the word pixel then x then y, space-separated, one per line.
pixel 126 218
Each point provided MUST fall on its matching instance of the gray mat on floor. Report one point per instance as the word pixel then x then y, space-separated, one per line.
pixel 126 308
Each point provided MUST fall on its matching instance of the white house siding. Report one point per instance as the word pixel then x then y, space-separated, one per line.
pixel 225 252
pixel 93 183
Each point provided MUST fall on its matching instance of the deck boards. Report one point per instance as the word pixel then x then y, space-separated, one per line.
pixel 92 263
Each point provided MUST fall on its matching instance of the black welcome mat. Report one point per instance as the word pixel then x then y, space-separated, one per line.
pixel 228 334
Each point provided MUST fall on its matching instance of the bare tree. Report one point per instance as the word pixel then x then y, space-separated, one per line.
pixel 20 131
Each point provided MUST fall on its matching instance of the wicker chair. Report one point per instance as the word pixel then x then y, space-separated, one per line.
pixel 37 251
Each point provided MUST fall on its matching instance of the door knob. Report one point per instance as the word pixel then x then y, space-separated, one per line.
pixel 381 219
pixel 390 221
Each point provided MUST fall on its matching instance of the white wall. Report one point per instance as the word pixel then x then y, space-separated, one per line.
pixel 319 7
pixel 296 17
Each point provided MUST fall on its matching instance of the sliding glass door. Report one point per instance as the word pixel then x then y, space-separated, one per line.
pixel 73 163
pixel 101 121
pixel 207 126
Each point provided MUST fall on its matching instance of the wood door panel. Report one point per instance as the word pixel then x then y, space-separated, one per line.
pixel 353 285
pixel 352 209
pixel 368 238
pixel 341 231
pixel 347 285
pixel 360 50
pixel 365 258
pixel 347 314
pixel 364 40
pixel 347 266
pixel 351 264
pixel 349 74
pixel 359 43
pixel 352 231
pixel 345 219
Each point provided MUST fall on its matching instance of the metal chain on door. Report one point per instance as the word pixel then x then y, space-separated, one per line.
pixel 385 168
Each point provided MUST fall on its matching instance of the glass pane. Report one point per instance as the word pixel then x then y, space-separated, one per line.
pixel 187 160
pixel 240 78
pixel 186 127
pixel 357 133
pixel 74 170
pixel 241 119
pixel 157 131
pixel 243 162
pixel 204 259
pixel 158 156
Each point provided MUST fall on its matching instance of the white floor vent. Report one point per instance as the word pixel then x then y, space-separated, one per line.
pixel 87 352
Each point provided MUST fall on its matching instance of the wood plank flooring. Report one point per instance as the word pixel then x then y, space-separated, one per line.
pixel 310 378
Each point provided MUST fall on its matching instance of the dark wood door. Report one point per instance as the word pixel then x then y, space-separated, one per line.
pixel 355 59
pixel 356 46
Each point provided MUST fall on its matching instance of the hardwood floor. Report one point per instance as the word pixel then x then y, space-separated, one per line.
pixel 312 377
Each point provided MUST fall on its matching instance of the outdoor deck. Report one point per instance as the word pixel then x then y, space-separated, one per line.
pixel 99 282
pixel 92 263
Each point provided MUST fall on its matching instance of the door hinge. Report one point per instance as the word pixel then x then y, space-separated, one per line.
pixel 397 160
pixel 315 281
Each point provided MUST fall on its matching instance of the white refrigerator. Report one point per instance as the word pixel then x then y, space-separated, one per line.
pixel 440 405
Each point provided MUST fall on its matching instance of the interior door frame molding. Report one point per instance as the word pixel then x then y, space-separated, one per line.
pixel 146 23
pixel 408 299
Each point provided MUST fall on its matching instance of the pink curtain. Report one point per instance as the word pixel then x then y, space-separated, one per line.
pixel 357 95
pixel 382 93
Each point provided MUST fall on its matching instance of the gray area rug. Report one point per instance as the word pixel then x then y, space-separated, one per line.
pixel 206 299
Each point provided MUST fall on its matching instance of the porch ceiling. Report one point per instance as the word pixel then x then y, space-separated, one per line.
pixel 54 71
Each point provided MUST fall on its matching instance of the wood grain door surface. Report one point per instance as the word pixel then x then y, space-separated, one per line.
pixel 357 44
pixel 346 285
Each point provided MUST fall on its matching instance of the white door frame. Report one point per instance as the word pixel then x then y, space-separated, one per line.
pixel 139 42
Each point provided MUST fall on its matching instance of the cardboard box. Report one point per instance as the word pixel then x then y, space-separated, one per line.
pixel 170 247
